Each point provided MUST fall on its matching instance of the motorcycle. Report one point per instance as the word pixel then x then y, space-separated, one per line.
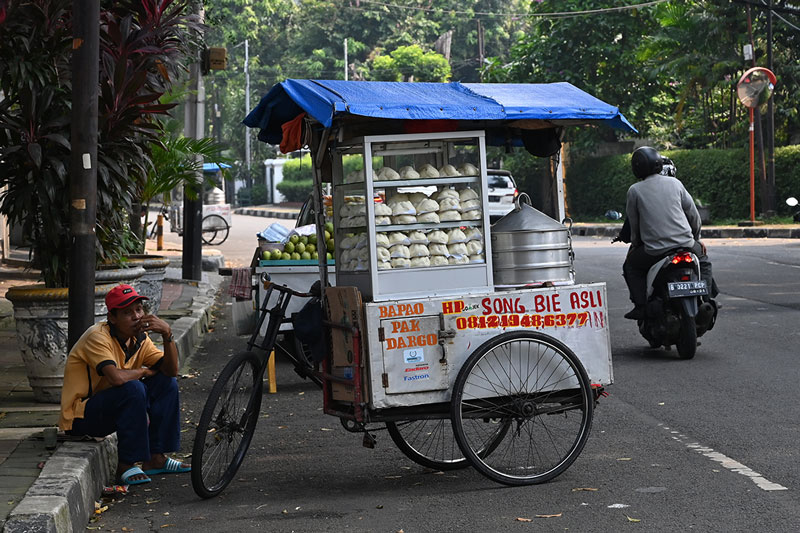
pixel 679 309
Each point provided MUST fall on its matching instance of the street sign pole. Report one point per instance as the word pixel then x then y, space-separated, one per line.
pixel 752 169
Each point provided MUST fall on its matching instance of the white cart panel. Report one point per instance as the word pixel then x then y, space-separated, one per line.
pixel 576 315
pixel 299 278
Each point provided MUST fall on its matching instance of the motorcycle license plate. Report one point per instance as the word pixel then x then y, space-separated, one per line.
pixel 676 289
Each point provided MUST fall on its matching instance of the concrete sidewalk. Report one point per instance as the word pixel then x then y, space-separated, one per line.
pixel 54 489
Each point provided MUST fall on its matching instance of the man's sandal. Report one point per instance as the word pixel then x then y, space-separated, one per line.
pixel 125 478
pixel 171 466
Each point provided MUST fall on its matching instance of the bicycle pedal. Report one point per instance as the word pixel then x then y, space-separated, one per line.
pixel 369 440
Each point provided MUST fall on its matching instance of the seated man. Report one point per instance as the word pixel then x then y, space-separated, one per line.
pixel 117 380
pixel 662 217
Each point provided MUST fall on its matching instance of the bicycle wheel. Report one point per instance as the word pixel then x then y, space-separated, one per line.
pixel 431 442
pixel 227 424
pixel 215 230
pixel 537 386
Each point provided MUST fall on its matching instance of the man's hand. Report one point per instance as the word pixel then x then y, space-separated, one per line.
pixel 703 247
pixel 155 324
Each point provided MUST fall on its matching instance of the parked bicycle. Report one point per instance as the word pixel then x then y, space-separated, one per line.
pixel 216 222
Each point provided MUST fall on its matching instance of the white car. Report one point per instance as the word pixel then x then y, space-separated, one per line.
pixel 502 191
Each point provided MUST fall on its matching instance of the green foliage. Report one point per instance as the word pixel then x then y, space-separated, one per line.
pixel 255 195
pixel 719 179
pixel 296 191
pixel 298 169
pixel 143 48
pixel 410 62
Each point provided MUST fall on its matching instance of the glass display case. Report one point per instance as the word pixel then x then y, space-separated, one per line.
pixel 412 220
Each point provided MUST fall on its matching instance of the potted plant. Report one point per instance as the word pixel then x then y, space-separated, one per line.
pixel 144 45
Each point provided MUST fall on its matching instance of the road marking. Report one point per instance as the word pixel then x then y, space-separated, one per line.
pixel 731 464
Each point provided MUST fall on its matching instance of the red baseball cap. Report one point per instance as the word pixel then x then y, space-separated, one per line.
pixel 122 296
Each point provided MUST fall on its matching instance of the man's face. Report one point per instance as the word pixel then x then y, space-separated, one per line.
pixel 128 320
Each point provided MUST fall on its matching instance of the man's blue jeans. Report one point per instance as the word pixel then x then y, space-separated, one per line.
pixel 126 410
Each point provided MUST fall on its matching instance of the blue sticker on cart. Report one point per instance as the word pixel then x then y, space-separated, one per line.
pixel 412 357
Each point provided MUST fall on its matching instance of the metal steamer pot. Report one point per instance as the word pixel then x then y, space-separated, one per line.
pixel 530 248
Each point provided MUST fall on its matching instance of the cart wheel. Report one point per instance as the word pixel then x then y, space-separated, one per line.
pixel 215 230
pixel 537 386
pixel 431 442
pixel 227 424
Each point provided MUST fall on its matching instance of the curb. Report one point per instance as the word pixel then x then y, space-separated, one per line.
pixel 266 213
pixel 62 499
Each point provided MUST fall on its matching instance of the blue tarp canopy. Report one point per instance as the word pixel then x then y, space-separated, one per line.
pixel 213 167
pixel 558 103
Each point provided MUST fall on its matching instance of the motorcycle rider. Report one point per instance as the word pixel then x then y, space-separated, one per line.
pixel 662 217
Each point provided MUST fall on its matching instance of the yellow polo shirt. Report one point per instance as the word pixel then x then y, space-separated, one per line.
pixel 83 374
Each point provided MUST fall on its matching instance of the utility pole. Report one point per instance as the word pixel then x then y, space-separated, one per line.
pixel 83 166
pixel 480 51
pixel 345 59
pixel 247 109
pixel 194 120
pixel 771 192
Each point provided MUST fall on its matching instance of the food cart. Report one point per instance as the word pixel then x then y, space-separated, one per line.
pixel 472 343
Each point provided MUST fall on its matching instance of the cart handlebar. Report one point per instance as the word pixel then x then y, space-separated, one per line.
pixel 266 281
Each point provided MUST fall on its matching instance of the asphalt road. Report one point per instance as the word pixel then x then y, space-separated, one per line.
pixel 708 444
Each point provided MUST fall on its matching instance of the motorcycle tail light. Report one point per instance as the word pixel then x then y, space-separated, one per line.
pixel 684 257
pixel 685 278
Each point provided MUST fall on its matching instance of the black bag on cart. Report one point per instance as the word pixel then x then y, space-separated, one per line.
pixel 310 329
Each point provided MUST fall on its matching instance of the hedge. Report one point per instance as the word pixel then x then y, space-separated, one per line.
pixel 296 191
pixel 720 179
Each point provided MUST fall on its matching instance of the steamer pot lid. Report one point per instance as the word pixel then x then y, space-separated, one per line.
pixel 525 218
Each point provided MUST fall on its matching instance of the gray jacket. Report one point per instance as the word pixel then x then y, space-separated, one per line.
pixel 662 214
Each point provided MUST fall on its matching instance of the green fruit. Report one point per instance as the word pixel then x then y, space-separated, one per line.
pixel 312 239
pixel 329 255
pixel 286 256
pixel 295 256
pixel 329 244
pixel 300 247
pixel 276 254
pixel 329 227
pixel 327 235
pixel 265 254
pixel 294 239
pixel 314 255
pixel 305 255
pixel 310 248
pixel 288 247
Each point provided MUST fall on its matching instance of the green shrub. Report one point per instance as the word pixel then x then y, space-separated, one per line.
pixel 718 178
pixel 255 195
pixel 296 191
pixel 298 169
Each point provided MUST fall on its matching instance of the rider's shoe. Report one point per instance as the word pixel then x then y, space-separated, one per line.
pixel 637 313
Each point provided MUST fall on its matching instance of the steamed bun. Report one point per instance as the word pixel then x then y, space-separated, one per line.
pixel 404 219
pixel 457 249
pixel 418 250
pixel 449 204
pixel 400 262
pixel 445 193
pixel 470 205
pixel 383 221
pixel 408 173
pixel 475 214
pixel 437 249
pixel 438 260
pixel 384 265
pixel 478 258
pixel 417 237
pixel 387 173
pixel 449 216
pixel 417 197
pixel 474 247
pixel 468 169
pixel 448 170
pixel 467 194
pixel 400 250
pixel 428 171
pixel 383 254
pixel 382 240
pixel 455 235
pixel 428 218
pixel 418 262
pixel 473 234
pixel 383 210
pixel 403 208
pixel 398 237
pixel 438 237
pixel 458 260
pixel 397 198
pixel 427 206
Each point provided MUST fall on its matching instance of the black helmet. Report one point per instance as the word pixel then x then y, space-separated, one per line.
pixel 646 161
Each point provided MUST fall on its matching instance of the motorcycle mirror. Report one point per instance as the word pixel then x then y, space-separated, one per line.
pixel 791 201
pixel 613 215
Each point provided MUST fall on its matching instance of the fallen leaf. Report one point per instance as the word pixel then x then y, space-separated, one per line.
pixel 325 429
pixel 167 525
pixel 282 427
pixel 166 514
pixel 149 502
pixel 548 515
pixel 660 403
pixel 632 519
pixel 623 458
pixel 285 511
pixel 618 506
pixel 379 507
pixel 126 529
pixel 520 519
pixel 300 393
pixel 589 489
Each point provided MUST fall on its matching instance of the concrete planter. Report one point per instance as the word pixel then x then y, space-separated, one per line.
pixel 705 214
pixel 41 316
pixel 152 282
